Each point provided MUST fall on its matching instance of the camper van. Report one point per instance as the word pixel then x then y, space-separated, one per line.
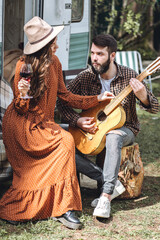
pixel 73 40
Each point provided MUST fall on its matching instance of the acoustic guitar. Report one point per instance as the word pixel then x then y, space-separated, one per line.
pixel 108 115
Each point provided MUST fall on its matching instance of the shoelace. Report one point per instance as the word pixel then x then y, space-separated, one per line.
pixel 102 203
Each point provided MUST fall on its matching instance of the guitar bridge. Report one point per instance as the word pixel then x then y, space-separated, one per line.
pixel 88 135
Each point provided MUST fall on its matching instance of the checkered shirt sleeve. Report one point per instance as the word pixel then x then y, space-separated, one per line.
pixel 88 83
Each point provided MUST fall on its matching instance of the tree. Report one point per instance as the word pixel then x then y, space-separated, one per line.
pixel 132 23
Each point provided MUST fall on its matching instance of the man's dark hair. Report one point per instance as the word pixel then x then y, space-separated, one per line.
pixel 106 40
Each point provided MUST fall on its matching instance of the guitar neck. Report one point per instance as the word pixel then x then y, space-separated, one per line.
pixel 125 92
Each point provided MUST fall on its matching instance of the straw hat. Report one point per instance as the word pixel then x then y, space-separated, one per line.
pixel 39 34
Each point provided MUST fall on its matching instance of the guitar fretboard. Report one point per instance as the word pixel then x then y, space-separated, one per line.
pixel 125 92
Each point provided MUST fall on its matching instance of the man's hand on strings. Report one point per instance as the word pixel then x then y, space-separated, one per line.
pixel 139 90
pixel 87 124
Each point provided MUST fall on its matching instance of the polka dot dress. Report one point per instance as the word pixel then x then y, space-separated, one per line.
pixel 41 153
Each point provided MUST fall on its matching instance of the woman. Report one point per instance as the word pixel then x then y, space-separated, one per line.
pixel 40 151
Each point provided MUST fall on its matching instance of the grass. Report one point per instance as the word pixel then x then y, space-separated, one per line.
pixel 131 219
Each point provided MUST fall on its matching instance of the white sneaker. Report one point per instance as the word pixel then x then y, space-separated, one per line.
pixel 103 208
pixel 118 190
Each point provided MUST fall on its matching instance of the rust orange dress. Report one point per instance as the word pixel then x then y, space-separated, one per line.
pixel 41 153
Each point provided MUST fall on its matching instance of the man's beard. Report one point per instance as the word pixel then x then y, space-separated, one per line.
pixel 102 68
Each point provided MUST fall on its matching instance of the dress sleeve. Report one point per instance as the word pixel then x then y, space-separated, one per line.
pixel 21 105
pixel 73 100
pixel 68 113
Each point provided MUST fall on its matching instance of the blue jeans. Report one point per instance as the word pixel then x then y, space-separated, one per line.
pixel 115 140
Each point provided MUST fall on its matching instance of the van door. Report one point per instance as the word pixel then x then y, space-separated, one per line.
pixel 32 8
pixel 16 14
pixel 58 12
pixel 13 15
pixel 80 34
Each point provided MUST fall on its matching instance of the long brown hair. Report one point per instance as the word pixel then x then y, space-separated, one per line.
pixel 40 62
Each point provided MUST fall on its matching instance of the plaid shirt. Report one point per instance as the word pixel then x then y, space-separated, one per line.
pixel 88 83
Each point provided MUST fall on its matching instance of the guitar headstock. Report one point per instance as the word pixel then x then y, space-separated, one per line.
pixel 154 66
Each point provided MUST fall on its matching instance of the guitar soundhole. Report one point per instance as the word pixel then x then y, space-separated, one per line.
pixel 101 116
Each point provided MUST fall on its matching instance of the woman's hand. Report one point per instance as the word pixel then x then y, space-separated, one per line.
pixel 23 87
pixel 105 96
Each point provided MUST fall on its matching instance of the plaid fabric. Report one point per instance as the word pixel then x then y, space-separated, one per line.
pixel 6 97
pixel 88 83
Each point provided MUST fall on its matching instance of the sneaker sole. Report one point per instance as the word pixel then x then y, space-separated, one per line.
pixel 101 215
pixel 67 223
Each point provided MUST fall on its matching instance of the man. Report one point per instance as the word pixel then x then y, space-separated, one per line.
pixel 106 75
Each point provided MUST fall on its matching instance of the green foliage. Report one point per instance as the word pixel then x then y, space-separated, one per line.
pixel 132 23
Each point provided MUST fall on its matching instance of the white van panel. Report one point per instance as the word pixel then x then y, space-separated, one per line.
pixel 29 13
pixel 30 10
pixel 84 24
pixel 63 50
pixel 57 12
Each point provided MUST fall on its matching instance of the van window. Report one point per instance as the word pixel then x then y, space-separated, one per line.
pixel 77 10
pixel 16 13
pixel 13 24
